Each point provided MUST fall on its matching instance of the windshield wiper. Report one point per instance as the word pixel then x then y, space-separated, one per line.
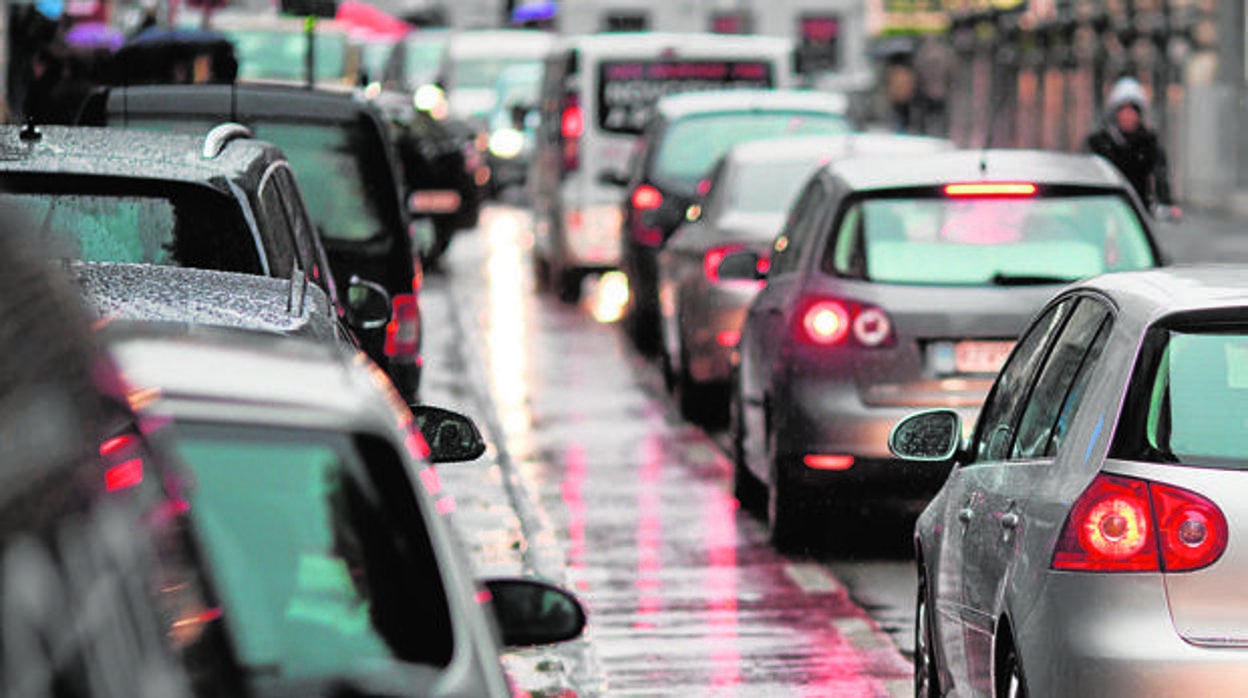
pixel 1003 279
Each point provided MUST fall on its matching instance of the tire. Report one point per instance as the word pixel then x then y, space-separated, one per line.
pixel 1010 680
pixel 442 234
pixel 926 675
pixel 786 508
pixel 745 487
pixel 542 273
pixel 568 285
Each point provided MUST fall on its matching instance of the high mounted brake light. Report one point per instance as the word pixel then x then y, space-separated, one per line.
pixel 990 189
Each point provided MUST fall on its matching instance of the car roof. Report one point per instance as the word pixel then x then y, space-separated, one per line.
pixel 1154 293
pixel 240 102
pixel 89 150
pixel 247 377
pixel 992 165
pixel 841 146
pixel 125 291
pixel 683 104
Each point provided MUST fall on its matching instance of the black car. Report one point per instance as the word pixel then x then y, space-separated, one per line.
pixel 222 201
pixel 683 138
pixel 338 145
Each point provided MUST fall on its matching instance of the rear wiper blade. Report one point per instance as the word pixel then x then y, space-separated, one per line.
pixel 1003 279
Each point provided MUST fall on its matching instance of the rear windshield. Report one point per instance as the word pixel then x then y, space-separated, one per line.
pixel 693 144
pixel 987 241
pixel 627 90
pixel 768 187
pixel 153 224
pixel 344 176
pixel 1192 400
pixel 273 55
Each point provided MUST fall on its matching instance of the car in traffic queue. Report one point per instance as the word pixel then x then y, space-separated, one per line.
pixel 598 92
pixel 682 140
pixel 272 47
pixel 472 60
pixel 1085 542
pixel 310 486
pixel 512 126
pixel 747 195
pixel 101 586
pixel 338 145
pixel 900 283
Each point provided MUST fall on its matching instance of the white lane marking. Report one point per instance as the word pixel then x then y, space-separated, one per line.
pixel 813 579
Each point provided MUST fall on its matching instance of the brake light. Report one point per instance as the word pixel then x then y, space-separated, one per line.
pixel 124 475
pixel 571 126
pixel 991 189
pixel 646 198
pixel 403 330
pixel 829 322
pixel 118 445
pixel 1113 527
pixel 713 257
pixel 819 461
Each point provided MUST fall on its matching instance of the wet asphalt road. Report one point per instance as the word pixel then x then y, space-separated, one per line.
pixel 594 481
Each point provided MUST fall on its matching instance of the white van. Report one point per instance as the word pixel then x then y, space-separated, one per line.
pixel 598 91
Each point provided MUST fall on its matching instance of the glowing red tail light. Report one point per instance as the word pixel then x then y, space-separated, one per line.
pixel 1114 527
pixel 403 330
pixel 828 461
pixel 991 189
pixel 831 321
pixel 124 475
pixel 713 257
pixel 646 198
pixel 571 126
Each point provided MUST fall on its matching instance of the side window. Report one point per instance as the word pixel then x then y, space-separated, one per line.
pixel 1055 387
pixel 275 228
pixel 804 217
pixel 995 431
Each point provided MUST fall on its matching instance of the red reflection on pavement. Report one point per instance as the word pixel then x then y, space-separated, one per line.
pixel 721 586
pixel 649 532
pixel 572 489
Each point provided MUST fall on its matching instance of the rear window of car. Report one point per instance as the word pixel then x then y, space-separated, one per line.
pixel 987 241
pixel 627 90
pixel 275 55
pixel 768 187
pixel 344 176
pixel 98 222
pixel 691 145
pixel 306 555
pixel 1193 399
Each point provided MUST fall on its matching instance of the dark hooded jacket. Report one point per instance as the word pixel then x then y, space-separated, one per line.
pixel 1138 155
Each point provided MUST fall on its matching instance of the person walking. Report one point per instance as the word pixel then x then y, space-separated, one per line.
pixel 1125 138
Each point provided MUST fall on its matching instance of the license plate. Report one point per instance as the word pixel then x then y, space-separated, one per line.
pixel 980 356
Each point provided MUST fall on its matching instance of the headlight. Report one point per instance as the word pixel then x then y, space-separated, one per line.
pixel 506 143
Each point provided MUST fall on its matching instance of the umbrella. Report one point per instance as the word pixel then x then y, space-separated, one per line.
pixel 95 35
pixel 534 11
pixel 371 22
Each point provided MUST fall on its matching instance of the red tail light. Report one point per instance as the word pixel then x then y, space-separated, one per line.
pixel 647 198
pixel 1113 527
pixel 831 321
pixel 124 475
pixel 403 330
pixel 713 257
pixel 571 126
pixel 991 189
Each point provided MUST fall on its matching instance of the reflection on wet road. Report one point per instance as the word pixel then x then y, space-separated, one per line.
pixel 623 501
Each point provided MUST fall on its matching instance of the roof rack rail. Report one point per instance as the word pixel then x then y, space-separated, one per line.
pixel 297 293
pixel 220 135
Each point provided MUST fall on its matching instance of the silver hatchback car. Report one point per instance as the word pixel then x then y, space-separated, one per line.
pixel 1086 541
pixel 900 283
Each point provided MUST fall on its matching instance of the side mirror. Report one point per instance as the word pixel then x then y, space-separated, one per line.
pixel 533 612
pixel 929 436
pixel 452 437
pixel 368 302
pixel 742 265
pixel 612 178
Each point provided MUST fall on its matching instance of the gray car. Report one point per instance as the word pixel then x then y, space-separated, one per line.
pixel 305 476
pixel 901 283
pixel 1085 542
pixel 748 194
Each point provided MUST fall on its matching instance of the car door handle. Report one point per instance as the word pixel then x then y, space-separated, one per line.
pixel 1010 521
